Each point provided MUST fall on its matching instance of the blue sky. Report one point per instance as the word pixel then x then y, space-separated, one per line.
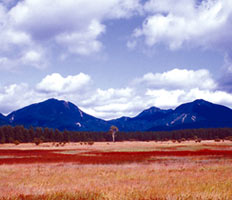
pixel 115 58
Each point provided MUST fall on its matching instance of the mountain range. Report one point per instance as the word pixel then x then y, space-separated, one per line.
pixel 62 115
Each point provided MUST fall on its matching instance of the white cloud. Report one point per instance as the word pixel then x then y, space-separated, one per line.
pixel 35 58
pixel 84 42
pixel 164 98
pixel 178 79
pixel 15 96
pixel 55 83
pixel 111 103
pixel 187 22
pixel 32 56
pixel 70 27
pixel 115 102
pixel 114 106
pixel 219 97
pixel 182 6
pixel 173 98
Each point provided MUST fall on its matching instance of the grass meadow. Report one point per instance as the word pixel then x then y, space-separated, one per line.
pixel 124 171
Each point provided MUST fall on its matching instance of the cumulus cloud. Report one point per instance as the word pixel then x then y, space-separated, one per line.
pixel 111 103
pixel 164 98
pixel 15 96
pixel 84 42
pixel 73 27
pixel 204 23
pixel 116 102
pixel 172 98
pixel 178 79
pixel 55 83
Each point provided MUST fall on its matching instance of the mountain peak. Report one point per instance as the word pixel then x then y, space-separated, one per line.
pixel 152 109
pixel 55 113
pixel 201 102
pixel 53 100
pixel 191 106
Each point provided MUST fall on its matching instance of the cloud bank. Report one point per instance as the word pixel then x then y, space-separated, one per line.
pixel 164 90
pixel 29 30
pixel 176 24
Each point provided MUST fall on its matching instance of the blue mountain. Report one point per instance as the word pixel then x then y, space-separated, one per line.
pixel 53 113
pixel 197 114
pixel 62 115
pixel 3 120
pixel 147 119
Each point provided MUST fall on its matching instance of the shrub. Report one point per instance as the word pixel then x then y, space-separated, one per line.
pixel 3 140
pixel 37 141
pixel 198 140
pixel 229 138
pixel 90 142
pixel 16 142
pixel 183 139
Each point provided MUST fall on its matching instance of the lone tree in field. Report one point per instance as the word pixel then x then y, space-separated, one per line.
pixel 113 131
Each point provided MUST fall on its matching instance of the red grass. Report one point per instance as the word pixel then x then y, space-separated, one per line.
pixel 97 157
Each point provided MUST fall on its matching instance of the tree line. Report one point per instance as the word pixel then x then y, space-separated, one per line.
pixel 20 134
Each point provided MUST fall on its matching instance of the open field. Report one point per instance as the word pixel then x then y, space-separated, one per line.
pixel 111 171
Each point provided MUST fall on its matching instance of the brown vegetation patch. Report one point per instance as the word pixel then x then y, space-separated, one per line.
pixel 112 172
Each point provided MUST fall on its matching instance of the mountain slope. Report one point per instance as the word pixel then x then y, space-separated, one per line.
pixel 53 113
pixel 197 114
pixel 143 121
pixel 3 120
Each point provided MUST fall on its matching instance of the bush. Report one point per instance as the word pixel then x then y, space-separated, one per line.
pixel 198 140
pixel 3 140
pixel 229 138
pixel 16 142
pixel 63 144
pixel 90 142
pixel 183 139
pixel 37 141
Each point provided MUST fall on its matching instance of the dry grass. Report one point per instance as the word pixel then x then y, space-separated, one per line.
pixel 173 178
pixel 123 146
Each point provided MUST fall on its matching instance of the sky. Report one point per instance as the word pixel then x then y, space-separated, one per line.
pixel 115 58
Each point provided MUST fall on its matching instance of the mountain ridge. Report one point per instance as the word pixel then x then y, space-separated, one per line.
pixel 60 114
